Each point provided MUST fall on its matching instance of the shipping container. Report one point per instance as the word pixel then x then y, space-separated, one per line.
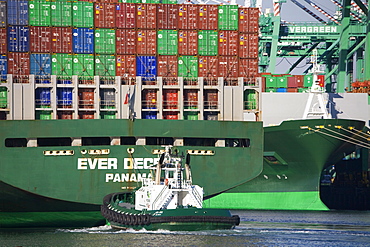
pixel 86 115
pixel 292 82
pixel 146 42
pixel 42 97
pixel 188 17
pixel 39 13
pixel 208 17
pixel 244 51
pixel 61 39
pixel 149 115
pixel 167 15
pixel 321 80
pixel 228 43
pixel 126 41
pixel 210 99
pixel 3 41
pixel 188 42
pixel 105 15
pixel 3 97
pixel 83 14
pixel 105 65
pixel 191 99
pixel 18 39
pixel 253 45
pixel 146 67
pixel 208 66
pixel 281 90
pixel 188 66
pixel 129 1
pixel 83 66
pixel 40 39
pixel 44 115
pixel 108 115
pixel 170 99
pixel 3 15
pixel 18 64
pixel 250 99
pixel 17 11
pixel 40 64
pixel 167 42
pixel 167 66
pixel 168 1
pixel 65 114
pixel 3 67
pixel 105 41
pixel 228 17
pixel 248 20
pixel 64 97
pixel 61 14
pixel 171 115
pixel 146 16
pixel 190 115
pixel 107 98
pixel 281 81
pixel 83 40
pixel 126 66
pixel 86 98
pixel 248 67
pixel 149 97
pixel 308 81
pixel 270 82
pixel 207 43
pixel 299 79
pixel 62 67
pixel 125 15
pixel 228 67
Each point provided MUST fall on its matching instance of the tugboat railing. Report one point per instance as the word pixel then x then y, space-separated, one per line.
pixel 199 198
pixel 162 196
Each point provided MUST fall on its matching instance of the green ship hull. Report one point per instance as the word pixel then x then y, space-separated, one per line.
pixel 65 167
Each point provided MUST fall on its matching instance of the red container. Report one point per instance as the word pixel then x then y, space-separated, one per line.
pixel 253 45
pixel 149 98
pixel 86 115
pixel 188 42
pixel 18 64
pixel 292 82
pixel 208 66
pixel 228 43
pixel 248 45
pixel 190 98
pixel 64 115
pixel 228 66
pixel 167 15
pixel 170 99
pixel 125 41
pixel 126 65
pixel 3 38
pixel 321 79
pixel 61 40
pixel 208 17
pixel 292 90
pixel 40 39
pixel 248 20
pixel 299 80
pixel 146 42
pixel 170 115
pixel 210 99
pixel 146 16
pixel 105 15
pixel 188 16
pixel 125 15
pixel 167 66
pixel 86 97
pixel 248 67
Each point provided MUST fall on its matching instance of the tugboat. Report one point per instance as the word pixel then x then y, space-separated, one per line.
pixel 168 200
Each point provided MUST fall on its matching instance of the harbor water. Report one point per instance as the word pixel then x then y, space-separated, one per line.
pixel 257 228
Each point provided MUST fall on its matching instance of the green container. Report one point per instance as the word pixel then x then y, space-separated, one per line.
pixel 151 1
pixel 228 17
pixel 61 14
pixel 270 90
pixel 108 115
pixel 83 14
pixel 250 99
pixel 208 43
pixel 191 115
pixel 43 115
pixel 62 65
pixel 303 90
pixel 3 97
pixel 83 65
pixel 281 81
pixel 169 1
pixel 307 81
pixel 167 42
pixel 188 66
pixel 105 41
pixel 39 13
pixel 129 1
pixel 105 65
pixel 270 81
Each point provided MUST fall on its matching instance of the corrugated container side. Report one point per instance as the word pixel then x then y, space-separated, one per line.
pixel 167 66
pixel 83 14
pixel 248 67
pixel 105 15
pixel 18 63
pixel 40 64
pixel 146 42
pixel 86 97
pixel 43 115
pixel 39 13
pixel 126 65
pixel 167 15
pixel 64 115
pixel 228 66
pixel 18 39
pixel 42 96
pixel 170 99
pixel 3 41
pixel 64 97
pixel 167 42
pixel 149 115
pixel 321 79
pixel 228 17
pixel 3 67
pixel 254 14
pixel 105 41
pixel 248 20
pixel 17 12
pixel 62 67
pixel 253 45
pixel 146 67
pixel 125 15
pixel 188 16
pixel 208 66
pixel 83 65
pixel 61 14
pixel 191 99
pixel 207 43
pixel 244 51
pixel 105 65
pixel 308 81
pixel 3 15
pixel 188 42
pixel 208 17
pixel 86 115
pixel 292 82
pixel 40 39
pixel 299 79
pixel 149 99
pixel 228 43
pixel 146 16
pixel 83 40
pixel 3 99
pixel 188 66
pixel 61 39
pixel 125 41
pixel 210 98
pixel 171 115
pixel 107 98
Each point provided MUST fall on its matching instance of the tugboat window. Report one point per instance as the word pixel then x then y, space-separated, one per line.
pixel 16 142
pixel 53 142
pixel 206 142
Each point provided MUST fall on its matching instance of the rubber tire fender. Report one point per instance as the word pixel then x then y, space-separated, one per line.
pixel 146 219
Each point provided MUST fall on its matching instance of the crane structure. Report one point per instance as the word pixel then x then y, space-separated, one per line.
pixel 342 41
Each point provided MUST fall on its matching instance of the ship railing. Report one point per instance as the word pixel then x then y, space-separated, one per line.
pixel 231 81
pixel 21 79
pixel 64 103
pixel 191 81
pixel 64 79
pixel 170 81
pixel 162 197
pixel 250 81
pixel 149 80
pixel 149 104
pixel 107 80
pixel 42 79
pixel 86 104
pixel 210 81
pixel 170 104
pixel 108 104
pixel 250 105
pixel 42 103
pixel 191 104
pixel 211 105
pixel 128 80
pixel 86 80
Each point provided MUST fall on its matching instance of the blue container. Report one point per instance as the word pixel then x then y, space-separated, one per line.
pixel 146 67
pixel 41 67
pixel 3 67
pixel 3 14
pixel 43 97
pixel 83 40
pixel 281 90
pixel 64 97
pixel 17 12
pixel 18 39
pixel 149 115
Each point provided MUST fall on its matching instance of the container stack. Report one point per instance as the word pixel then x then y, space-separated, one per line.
pixel 282 83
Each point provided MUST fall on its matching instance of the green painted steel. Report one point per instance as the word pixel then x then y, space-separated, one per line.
pixel 83 65
pixel 39 13
pixel 167 42
pixel 83 14
pixel 228 17
pixel 3 97
pixel 107 115
pixel 43 115
pixel 188 66
pixel 62 65
pixel 105 41
pixel 105 65
pixel 308 81
pixel 61 14
pixel 208 43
